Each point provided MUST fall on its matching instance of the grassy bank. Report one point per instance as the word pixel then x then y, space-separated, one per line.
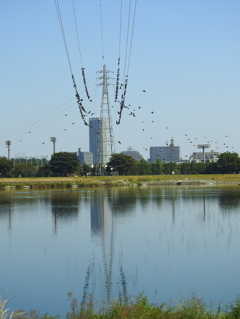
pixel 96 181
pixel 141 308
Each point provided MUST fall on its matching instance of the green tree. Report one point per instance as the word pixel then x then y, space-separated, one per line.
pixel 5 167
pixel 198 168
pixel 228 163
pixel 44 171
pixel 212 168
pixel 168 168
pixel 185 168
pixel 144 167
pixel 86 169
pixel 157 167
pixel 24 170
pixel 64 163
pixel 121 163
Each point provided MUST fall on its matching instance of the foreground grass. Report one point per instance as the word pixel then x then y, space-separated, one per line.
pixel 140 308
pixel 96 181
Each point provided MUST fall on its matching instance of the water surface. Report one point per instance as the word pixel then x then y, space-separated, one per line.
pixel 167 242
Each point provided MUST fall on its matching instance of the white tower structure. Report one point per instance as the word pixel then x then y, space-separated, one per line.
pixel 106 145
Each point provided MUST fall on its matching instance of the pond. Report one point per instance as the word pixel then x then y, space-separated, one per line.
pixel 167 242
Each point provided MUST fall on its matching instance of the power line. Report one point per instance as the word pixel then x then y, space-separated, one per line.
pixel 119 55
pixel 80 55
pixel 127 60
pixel 76 26
pixel 63 33
pixel 130 51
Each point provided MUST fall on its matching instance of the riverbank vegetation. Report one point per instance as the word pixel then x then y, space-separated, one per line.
pixel 76 182
pixel 141 308
pixel 64 164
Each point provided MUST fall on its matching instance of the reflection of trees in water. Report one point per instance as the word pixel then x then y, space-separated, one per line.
pixel 229 200
pixel 64 207
pixel 123 201
pixel 11 201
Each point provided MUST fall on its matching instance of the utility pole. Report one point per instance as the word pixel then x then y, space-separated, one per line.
pixel 53 140
pixel 106 145
pixel 8 143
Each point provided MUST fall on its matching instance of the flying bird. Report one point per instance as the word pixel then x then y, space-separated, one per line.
pixel 144 90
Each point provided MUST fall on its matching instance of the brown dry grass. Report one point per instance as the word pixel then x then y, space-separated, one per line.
pixel 235 178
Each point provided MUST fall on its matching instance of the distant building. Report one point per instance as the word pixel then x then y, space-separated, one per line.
pixel 85 157
pixel 98 140
pixel 134 154
pixel 169 153
pixel 197 157
pixel 94 134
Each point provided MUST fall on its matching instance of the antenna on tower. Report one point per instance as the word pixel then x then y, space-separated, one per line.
pixel 106 145
pixel 8 143
pixel 53 140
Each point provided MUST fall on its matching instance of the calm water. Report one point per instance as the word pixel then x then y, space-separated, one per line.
pixel 165 241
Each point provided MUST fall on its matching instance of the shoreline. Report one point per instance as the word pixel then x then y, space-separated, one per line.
pixel 113 181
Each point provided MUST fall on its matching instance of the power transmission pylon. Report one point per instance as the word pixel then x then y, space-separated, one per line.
pixel 106 145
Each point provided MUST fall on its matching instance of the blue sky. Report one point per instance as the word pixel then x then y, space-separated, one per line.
pixel 185 54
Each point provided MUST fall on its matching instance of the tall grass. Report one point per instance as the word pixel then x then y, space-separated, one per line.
pixel 5 313
pixel 141 308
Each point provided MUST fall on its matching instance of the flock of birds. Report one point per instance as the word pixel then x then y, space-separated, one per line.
pixel 134 114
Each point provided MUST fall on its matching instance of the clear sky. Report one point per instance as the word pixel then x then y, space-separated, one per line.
pixel 185 54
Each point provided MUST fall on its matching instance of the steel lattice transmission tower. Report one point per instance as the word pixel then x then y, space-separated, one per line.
pixel 106 145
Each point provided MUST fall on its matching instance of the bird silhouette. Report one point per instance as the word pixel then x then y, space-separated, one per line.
pixel 144 90
pixel 119 142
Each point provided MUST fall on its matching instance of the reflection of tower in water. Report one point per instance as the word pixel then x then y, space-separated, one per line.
pixel 103 228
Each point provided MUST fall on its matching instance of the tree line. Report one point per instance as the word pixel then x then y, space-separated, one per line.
pixel 65 164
